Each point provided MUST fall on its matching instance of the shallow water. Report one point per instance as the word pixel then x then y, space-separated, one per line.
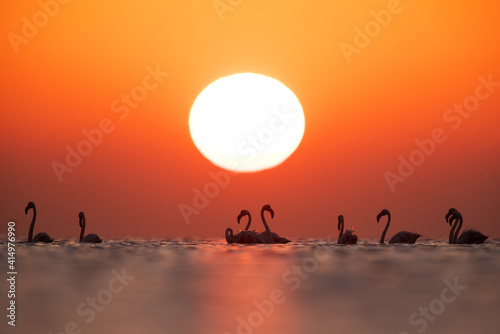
pixel 208 286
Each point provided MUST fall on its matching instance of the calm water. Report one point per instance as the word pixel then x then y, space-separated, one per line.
pixel 207 286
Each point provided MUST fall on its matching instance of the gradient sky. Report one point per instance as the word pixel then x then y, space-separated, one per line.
pixel 362 113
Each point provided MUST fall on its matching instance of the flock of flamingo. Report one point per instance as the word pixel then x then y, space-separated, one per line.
pixel 453 218
pixel 253 237
pixel 44 237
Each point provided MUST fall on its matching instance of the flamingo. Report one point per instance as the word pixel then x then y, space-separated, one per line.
pixel 469 236
pixel 89 237
pixel 246 236
pixel 40 237
pixel 268 236
pixel 348 238
pixel 229 236
pixel 402 237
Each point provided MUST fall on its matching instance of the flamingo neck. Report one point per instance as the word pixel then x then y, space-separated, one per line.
pixel 264 220
pixel 32 226
pixel 249 222
pixel 341 227
pixel 386 228
pixel 451 237
pixel 458 229
pixel 82 231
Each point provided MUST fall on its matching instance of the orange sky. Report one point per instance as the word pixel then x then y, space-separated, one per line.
pixel 363 111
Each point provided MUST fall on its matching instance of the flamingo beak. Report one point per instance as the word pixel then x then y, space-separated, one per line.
pixel 379 216
pixel 239 217
pixel 26 210
pixel 272 212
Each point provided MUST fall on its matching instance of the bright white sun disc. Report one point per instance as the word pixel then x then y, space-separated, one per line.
pixel 246 122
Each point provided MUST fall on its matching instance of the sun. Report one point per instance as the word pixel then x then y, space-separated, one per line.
pixel 246 122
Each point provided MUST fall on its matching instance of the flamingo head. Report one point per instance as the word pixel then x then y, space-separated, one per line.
pixel 31 205
pixel 382 213
pixel 341 220
pixel 81 216
pixel 229 232
pixel 450 214
pixel 242 214
pixel 267 207
pixel 455 216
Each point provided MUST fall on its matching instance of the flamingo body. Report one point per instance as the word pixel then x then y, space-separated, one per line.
pixel 471 236
pixel 404 237
pixel 249 237
pixel 273 238
pixel 92 238
pixel 348 238
pixel 43 237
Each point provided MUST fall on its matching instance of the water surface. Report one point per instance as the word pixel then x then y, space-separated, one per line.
pixel 208 286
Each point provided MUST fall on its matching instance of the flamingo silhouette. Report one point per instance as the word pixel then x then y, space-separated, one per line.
pixel 40 237
pixel 89 237
pixel 268 236
pixel 469 236
pixel 402 237
pixel 229 236
pixel 348 238
pixel 246 236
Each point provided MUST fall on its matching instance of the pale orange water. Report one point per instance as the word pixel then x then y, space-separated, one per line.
pixel 207 286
